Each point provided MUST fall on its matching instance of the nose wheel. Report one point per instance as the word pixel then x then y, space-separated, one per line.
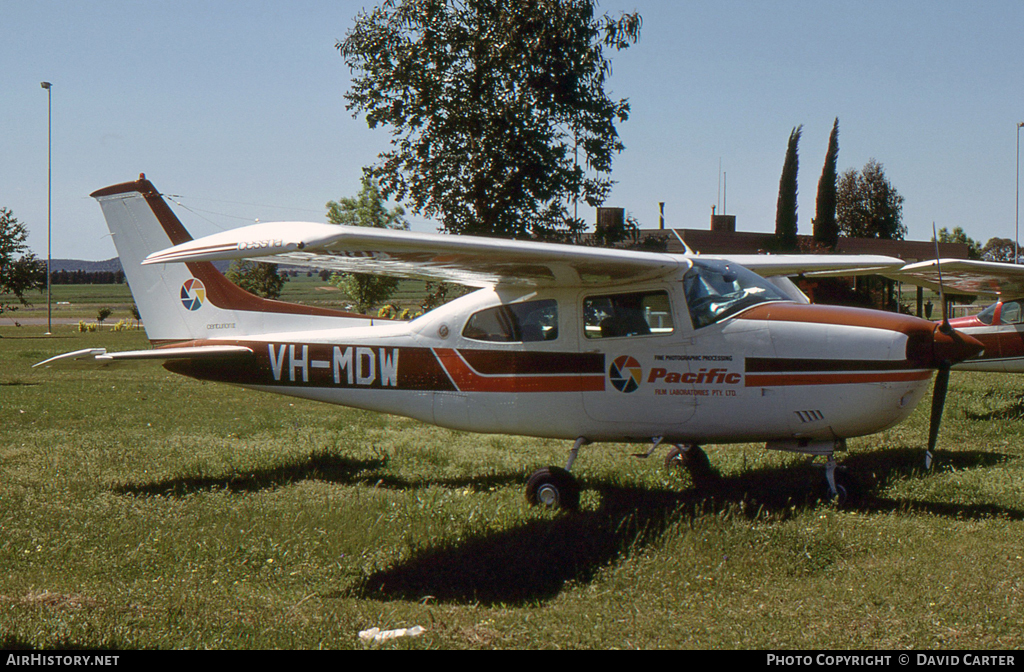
pixel 695 461
pixel 843 489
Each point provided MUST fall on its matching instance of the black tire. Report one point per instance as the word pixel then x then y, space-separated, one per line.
pixel 695 461
pixel 848 490
pixel 553 487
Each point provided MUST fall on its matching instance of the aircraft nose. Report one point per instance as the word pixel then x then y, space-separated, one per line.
pixel 950 345
pixel 934 345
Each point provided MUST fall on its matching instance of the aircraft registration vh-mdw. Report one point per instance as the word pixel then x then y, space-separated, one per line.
pixel 566 342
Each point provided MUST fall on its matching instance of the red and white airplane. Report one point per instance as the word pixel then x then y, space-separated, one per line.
pixel 568 342
pixel 1000 326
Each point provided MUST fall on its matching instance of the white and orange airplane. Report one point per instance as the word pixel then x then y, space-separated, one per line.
pixel 568 342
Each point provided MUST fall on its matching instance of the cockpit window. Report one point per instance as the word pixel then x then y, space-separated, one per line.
pixel 1011 313
pixel 717 289
pixel 986 316
pixel 525 322
pixel 632 314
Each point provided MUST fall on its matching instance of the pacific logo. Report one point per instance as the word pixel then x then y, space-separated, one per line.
pixel 625 374
pixel 193 294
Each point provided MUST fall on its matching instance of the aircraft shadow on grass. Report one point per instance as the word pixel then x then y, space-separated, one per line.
pixel 535 560
pixel 1012 411
pixel 320 467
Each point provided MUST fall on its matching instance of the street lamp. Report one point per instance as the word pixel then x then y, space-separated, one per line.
pixel 1016 215
pixel 49 182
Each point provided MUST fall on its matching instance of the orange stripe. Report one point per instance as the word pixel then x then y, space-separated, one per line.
pixel 775 379
pixel 468 380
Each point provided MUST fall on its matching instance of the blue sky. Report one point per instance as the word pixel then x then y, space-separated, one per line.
pixel 238 108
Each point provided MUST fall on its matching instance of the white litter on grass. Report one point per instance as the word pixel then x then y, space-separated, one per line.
pixel 378 635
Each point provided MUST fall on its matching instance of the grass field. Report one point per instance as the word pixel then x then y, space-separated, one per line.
pixel 144 510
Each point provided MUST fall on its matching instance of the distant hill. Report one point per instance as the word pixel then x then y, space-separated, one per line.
pixel 72 265
pixel 110 265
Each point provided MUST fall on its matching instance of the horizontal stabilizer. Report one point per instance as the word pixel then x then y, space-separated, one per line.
pixel 100 356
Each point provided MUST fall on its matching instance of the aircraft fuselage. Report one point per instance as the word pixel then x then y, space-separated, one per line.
pixel 775 371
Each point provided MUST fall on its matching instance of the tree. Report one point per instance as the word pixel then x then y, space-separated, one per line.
pixel 868 206
pixel 492 106
pixel 785 209
pixel 957 235
pixel 20 270
pixel 998 249
pixel 368 208
pixel 257 277
pixel 826 231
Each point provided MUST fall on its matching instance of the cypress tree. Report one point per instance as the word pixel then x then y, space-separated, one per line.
pixel 785 213
pixel 826 230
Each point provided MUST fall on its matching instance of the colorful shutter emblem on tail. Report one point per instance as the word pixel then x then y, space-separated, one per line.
pixel 193 294
pixel 625 374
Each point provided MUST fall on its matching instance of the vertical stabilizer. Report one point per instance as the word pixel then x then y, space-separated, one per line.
pixel 193 300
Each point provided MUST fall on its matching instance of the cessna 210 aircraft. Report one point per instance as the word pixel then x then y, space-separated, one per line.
pixel 568 342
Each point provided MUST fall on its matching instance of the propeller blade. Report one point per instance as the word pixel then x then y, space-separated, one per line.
pixel 946 328
pixel 938 402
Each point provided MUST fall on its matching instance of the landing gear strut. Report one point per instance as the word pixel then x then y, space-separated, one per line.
pixel 556 488
pixel 842 488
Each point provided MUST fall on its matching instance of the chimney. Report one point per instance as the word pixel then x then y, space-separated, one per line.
pixel 723 223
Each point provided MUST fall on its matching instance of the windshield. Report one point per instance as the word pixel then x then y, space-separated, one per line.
pixel 717 289
pixel 986 316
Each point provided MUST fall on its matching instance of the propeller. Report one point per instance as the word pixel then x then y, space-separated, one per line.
pixel 938 402
pixel 944 364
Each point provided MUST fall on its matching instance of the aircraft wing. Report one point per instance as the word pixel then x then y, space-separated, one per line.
pixel 469 260
pixel 473 260
pixel 100 356
pixel 839 265
pixel 965 276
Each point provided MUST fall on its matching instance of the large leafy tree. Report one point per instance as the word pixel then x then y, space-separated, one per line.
pixel 20 270
pixel 497 108
pixel 368 208
pixel 826 230
pixel 998 249
pixel 868 206
pixel 785 209
pixel 257 277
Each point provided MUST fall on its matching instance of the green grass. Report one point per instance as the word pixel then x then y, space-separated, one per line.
pixel 144 510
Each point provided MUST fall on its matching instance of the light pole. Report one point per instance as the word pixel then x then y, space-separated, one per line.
pixel 49 182
pixel 1016 214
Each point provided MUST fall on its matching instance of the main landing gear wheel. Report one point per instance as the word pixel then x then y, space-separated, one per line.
pixel 695 461
pixel 553 488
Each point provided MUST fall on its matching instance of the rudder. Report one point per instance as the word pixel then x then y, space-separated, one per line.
pixel 190 301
